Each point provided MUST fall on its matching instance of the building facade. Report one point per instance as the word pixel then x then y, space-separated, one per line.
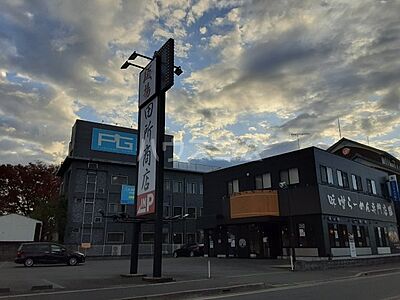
pixel 375 158
pixel 329 205
pixel 100 164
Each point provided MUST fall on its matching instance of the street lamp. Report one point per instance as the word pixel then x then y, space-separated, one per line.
pixel 284 186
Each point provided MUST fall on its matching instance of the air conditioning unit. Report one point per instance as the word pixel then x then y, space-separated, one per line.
pixel 116 250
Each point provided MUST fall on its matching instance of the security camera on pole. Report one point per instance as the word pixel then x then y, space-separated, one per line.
pixel 154 80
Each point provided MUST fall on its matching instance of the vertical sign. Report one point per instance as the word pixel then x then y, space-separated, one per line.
pixel 147 161
pixel 127 194
pixel 394 188
pixel 352 244
pixel 147 82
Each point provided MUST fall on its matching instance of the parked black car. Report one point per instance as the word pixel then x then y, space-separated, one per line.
pixel 47 253
pixel 190 250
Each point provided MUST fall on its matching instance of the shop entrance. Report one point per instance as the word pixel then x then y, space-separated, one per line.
pixel 258 240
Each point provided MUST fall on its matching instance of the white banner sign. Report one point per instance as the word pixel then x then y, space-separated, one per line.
pixel 147 82
pixel 147 159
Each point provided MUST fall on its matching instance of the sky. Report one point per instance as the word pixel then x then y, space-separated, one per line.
pixel 255 73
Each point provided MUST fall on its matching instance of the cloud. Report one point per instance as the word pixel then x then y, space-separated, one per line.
pixel 302 67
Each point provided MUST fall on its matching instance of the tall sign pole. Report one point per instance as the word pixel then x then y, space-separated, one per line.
pixel 155 79
pixel 158 225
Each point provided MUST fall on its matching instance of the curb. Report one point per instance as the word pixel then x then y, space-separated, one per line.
pixel 201 293
pixel 4 290
pixel 41 287
pixel 377 272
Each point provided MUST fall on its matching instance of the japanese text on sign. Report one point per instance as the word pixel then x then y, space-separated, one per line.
pixel 147 159
pixel 147 82
pixel 370 207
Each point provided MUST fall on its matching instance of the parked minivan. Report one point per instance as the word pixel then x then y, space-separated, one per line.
pixel 47 253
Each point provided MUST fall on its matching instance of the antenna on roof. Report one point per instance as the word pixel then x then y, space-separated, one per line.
pixel 340 131
pixel 298 135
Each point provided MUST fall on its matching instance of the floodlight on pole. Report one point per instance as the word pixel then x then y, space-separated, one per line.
pixel 178 70
pixel 126 65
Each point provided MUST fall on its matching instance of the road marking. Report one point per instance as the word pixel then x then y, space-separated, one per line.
pixel 98 289
pixel 392 298
pixel 55 285
pixel 255 274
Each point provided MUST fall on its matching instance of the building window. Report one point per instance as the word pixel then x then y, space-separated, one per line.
pixel 177 211
pixel 112 208
pixel 191 211
pixel 100 191
pixel 371 187
pixel 167 185
pixel 284 176
pixel 98 219
pixel 294 176
pixel 340 178
pixel 201 189
pixel 361 236
pixel 165 238
pixel 147 237
pixel 200 212
pixel 326 175
pixel 92 166
pixel 290 176
pixel 191 188
pixel 177 238
pixel 119 179
pixel 115 237
pixel 263 181
pixel 165 211
pixel 356 182
pixel 381 237
pixel 338 235
pixel 177 187
pixel 191 238
pixel 233 186
pixel 345 180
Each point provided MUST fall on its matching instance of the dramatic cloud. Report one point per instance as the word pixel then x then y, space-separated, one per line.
pixel 255 73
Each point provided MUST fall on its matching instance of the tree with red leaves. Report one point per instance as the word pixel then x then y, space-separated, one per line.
pixel 32 190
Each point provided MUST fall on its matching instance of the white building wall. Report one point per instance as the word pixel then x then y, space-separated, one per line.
pixel 14 228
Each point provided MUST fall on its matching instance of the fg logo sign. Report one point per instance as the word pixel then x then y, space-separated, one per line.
pixel 146 204
pixel 114 141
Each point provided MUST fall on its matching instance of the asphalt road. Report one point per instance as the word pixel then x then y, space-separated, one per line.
pixel 101 279
pixel 372 287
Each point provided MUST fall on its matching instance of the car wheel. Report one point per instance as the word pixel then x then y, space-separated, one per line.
pixel 175 254
pixel 72 261
pixel 191 254
pixel 28 262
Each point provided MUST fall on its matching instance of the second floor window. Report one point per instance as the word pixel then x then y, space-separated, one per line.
pixel 178 187
pixel 263 181
pixel 290 176
pixel 233 186
pixel 356 182
pixel 326 175
pixel 371 187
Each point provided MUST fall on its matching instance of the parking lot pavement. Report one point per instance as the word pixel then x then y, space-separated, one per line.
pixel 192 272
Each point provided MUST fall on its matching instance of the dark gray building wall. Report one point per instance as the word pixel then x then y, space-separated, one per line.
pixel 83 162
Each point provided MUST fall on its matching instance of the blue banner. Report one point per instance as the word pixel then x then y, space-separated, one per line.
pixel 128 194
pixel 114 141
pixel 394 190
